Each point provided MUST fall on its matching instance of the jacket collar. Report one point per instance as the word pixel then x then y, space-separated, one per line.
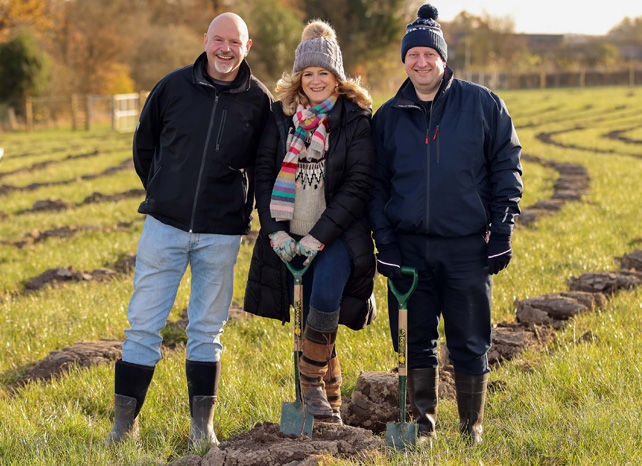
pixel 406 96
pixel 344 112
pixel 240 84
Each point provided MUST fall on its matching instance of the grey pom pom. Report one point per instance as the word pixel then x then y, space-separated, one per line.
pixel 428 12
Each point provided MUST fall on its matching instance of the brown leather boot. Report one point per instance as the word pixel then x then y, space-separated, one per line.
pixel 423 386
pixel 332 380
pixel 471 397
pixel 313 365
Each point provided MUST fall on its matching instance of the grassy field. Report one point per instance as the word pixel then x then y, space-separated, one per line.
pixel 577 403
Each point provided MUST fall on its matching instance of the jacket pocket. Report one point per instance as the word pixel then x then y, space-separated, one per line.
pixel 221 128
pixel 155 170
pixel 482 206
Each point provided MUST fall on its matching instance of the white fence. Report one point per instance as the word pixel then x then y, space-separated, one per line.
pixel 121 111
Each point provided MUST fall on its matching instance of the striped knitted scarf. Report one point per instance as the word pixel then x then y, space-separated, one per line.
pixel 306 120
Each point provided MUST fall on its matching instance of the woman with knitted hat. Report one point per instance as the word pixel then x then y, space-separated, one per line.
pixel 313 179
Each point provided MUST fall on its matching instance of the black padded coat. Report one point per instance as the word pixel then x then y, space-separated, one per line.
pixel 195 146
pixel 348 180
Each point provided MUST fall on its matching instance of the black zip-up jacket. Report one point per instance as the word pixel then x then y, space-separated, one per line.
pixel 453 171
pixel 195 147
pixel 348 178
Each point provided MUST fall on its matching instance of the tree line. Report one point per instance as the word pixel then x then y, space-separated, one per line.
pixel 60 47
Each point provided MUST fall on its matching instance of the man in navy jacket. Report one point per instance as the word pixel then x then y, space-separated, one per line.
pixel 446 193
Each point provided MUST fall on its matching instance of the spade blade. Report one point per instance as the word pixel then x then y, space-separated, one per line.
pixel 401 435
pixel 295 420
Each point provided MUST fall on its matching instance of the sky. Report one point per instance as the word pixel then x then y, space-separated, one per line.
pixel 548 16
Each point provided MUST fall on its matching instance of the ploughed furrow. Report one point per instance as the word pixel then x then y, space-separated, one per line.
pixel 571 185
pixel 619 135
pixel 60 145
pixel 546 137
pixel 49 151
pixel 557 115
pixel 95 197
pixel 587 115
pixel 126 164
pixel 47 163
pixel 67 231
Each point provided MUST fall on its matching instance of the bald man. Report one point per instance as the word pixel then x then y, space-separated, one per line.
pixel 194 151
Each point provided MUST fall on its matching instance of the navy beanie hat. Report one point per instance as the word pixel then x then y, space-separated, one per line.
pixel 425 31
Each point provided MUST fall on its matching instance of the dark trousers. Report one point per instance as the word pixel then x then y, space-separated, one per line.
pixel 325 280
pixel 453 282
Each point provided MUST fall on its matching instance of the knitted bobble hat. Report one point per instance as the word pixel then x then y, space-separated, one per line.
pixel 319 47
pixel 425 31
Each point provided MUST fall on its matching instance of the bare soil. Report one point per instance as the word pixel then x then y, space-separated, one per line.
pixel 606 282
pixel 572 183
pixel 632 261
pixel 264 445
pixel 80 354
pixel 547 138
pixel 46 163
pixel 5 189
pixel 618 134
pixel 67 274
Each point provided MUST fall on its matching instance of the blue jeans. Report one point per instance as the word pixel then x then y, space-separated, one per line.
pixel 325 280
pixel 161 260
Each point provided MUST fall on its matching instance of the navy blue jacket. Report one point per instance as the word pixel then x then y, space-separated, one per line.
pixel 452 172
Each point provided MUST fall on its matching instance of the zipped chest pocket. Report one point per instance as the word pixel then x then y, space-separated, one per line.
pixel 221 129
pixel 434 139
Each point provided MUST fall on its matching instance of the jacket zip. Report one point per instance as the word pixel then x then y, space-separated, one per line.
pixel 220 129
pixel 428 168
pixel 200 172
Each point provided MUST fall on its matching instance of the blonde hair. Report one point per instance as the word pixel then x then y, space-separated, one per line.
pixel 290 92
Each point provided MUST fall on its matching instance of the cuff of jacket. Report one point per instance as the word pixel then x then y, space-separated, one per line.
pixel 502 228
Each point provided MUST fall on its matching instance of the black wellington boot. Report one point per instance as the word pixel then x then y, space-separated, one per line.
pixel 131 382
pixel 471 397
pixel 202 388
pixel 423 386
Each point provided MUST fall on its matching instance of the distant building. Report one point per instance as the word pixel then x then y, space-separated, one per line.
pixel 541 42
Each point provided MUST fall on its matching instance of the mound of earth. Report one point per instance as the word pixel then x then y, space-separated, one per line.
pixel 82 354
pixel 632 261
pixel 572 184
pixel 126 263
pixel 606 282
pixel 96 197
pixel 511 338
pixel 554 308
pixel 265 445
pixel 67 274
pixel 49 204
pixel 375 399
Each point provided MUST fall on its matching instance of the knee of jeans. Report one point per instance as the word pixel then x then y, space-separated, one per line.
pixel 143 349
pixel 325 303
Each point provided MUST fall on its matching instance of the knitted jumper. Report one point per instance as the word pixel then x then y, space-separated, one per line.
pixel 309 200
